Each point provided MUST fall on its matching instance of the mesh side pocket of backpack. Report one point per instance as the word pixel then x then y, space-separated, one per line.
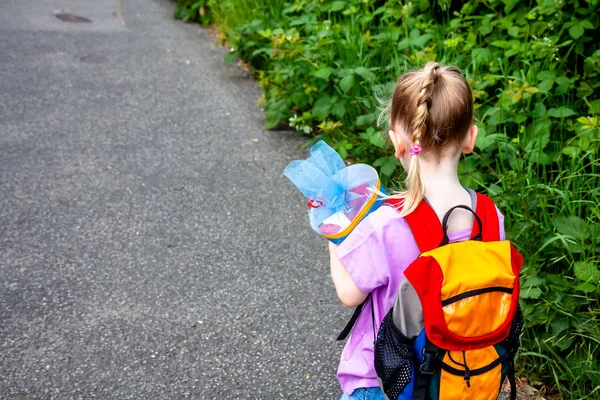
pixel 393 358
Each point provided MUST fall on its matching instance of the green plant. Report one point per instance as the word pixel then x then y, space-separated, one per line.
pixel 534 69
pixel 195 10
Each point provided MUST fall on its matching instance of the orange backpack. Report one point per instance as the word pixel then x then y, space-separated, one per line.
pixel 469 293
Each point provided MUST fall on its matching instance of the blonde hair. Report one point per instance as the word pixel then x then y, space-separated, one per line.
pixel 434 105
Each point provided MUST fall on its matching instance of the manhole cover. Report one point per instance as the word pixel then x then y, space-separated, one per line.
pixel 68 17
pixel 94 59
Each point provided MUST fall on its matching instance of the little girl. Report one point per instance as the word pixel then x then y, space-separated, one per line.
pixel 431 121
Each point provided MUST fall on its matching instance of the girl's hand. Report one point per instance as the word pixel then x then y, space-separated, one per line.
pixel 348 293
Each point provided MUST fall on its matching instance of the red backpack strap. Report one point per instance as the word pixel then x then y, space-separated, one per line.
pixel 486 210
pixel 427 229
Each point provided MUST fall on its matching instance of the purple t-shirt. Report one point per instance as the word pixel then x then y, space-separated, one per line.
pixel 375 255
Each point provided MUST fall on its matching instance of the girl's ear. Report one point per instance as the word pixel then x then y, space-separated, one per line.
pixel 469 143
pixel 399 147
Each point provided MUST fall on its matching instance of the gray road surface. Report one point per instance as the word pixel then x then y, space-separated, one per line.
pixel 150 247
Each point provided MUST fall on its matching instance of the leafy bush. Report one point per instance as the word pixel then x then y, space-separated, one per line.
pixel 194 10
pixel 534 69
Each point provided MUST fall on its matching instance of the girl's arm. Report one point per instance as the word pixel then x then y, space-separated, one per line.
pixel 348 293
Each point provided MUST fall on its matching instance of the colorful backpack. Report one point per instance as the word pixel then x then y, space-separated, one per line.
pixel 469 293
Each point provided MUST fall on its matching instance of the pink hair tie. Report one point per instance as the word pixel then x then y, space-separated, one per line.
pixel 415 149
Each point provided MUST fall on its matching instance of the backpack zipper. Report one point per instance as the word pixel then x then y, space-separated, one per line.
pixel 476 292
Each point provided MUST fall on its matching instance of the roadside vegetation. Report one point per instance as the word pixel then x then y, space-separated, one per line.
pixel 534 68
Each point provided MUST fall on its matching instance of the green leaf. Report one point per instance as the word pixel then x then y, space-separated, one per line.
pixel 576 31
pixel 532 281
pixel 485 30
pixel 586 287
pixel 231 57
pixel 421 40
pixel 300 99
pixel 545 86
pixel 595 232
pixel 546 75
pixel 503 44
pixel 561 112
pixel 377 141
pixel 572 246
pixel 404 44
pixel 559 325
pixel 537 138
pixel 571 226
pixel 379 162
pixel 541 127
pixel 347 82
pixel 324 73
pixel 365 73
pixel 300 21
pixel 339 109
pixel 337 6
pixel 366 119
pixel 495 190
pixel 375 138
pixel 520 118
pixel 587 271
pixel 557 280
pixel 563 84
pixel 481 56
pixel 509 5
pixel 587 24
pixel 345 72
pixel 595 106
pixel 531 293
pixel 389 166
pixel 539 110
pixel 564 342
pixel 322 107
pixel 469 172
pixel 485 141
pixel 571 151
pixel 273 119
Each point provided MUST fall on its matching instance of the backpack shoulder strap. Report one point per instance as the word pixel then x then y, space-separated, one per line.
pixel 486 210
pixel 427 229
pixel 348 328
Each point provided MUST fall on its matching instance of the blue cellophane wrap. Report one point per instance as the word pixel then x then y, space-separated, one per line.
pixel 337 194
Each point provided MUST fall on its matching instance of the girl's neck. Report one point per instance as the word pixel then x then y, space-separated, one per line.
pixel 444 191
pixel 440 176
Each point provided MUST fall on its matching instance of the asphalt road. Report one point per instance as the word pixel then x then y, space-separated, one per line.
pixel 150 247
